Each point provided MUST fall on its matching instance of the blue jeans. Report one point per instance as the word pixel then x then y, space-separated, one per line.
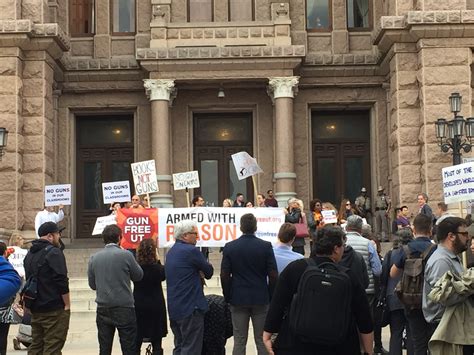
pixel 188 334
pixel 124 320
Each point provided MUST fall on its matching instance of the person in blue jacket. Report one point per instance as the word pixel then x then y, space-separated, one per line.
pixel 9 280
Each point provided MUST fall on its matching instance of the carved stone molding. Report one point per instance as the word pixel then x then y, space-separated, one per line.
pixel 160 89
pixel 283 86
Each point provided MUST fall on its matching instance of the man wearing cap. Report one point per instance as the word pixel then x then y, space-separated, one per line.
pixel 51 309
pixel 362 205
pixel 382 209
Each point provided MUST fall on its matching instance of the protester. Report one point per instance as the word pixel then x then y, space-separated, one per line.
pixel 48 215
pixel 398 322
pixel 424 208
pixel 294 214
pixel 260 202
pixel 239 200
pixel 217 326
pixel 249 204
pixel 50 311
pixel 355 261
pixel 114 207
pixel 270 201
pixel 328 206
pixel 198 201
pixel 186 302
pixel 18 254
pixel 150 307
pixel 402 220
pixel 136 202
pixel 227 202
pixel 345 210
pixel 110 273
pixel 347 310
pixel 146 202
pixel 453 240
pixel 282 249
pixel 420 247
pixel 248 277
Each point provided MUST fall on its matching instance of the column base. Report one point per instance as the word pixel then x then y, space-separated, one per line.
pixel 163 201
pixel 283 197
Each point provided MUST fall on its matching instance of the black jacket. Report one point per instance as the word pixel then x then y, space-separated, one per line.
pixel 355 261
pixel 52 276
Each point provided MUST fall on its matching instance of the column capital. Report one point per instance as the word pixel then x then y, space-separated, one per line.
pixel 160 89
pixel 283 86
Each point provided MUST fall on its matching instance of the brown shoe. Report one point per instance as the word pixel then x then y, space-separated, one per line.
pixel 16 344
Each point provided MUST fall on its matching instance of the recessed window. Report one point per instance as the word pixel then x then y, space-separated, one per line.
pixel 318 15
pixel 358 14
pixel 123 16
pixel 200 10
pixel 241 10
pixel 81 17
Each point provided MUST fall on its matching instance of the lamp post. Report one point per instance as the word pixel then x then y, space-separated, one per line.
pixel 450 134
pixel 3 141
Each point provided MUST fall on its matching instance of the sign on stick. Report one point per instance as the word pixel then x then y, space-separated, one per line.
pixel 189 179
pixel 458 183
pixel 102 222
pixel 144 177
pixel 245 165
pixel 117 191
pixel 55 195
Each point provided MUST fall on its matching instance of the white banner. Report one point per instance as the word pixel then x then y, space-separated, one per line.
pixel 458 183
pixel 144 177
pixel 189 179
pixel 217 226
pixel 55 195
pixel 102 222
pixel 117 191
pixel 245 165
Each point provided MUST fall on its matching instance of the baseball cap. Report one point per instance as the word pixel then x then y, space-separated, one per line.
pixel 49 227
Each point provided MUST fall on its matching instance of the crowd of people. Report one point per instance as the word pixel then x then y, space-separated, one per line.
pixel 336 301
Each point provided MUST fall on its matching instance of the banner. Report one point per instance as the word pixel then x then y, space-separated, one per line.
pixel 458 183
pixel 144 177
pixel 137 224
pixel 102 222
pixel 189 179
pixel 245 165
pixel 117 191
pixel 217 226
pixel 55 195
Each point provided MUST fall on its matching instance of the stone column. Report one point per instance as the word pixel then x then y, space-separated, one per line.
pixel 161 93
pixel 282 92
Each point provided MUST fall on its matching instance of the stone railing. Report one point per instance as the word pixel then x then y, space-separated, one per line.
pixel 166 34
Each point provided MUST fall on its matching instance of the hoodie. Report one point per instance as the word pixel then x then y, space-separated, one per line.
pixel 52 276
pixel 9 281
pixel 354 261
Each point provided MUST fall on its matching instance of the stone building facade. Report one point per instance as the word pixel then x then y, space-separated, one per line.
pixel 327 101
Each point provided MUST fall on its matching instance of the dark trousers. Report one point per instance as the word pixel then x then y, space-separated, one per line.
pixel 377 326
pixel 124 320
pixel 188 334
pixel 420 331
pixel 398 323
pixel 4 328
pixel 49 332
pixel 241 316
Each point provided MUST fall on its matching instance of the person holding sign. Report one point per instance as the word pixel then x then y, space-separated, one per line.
pixel 136 202
pixel 294 214
pixel 48 215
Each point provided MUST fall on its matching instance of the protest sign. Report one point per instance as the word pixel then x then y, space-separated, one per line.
pixel 458 183
pixel 329 216
pixel 217 226
pixel 55 195
pixel 245 165
pixel 137 224
pixel 144 177
pixel 117 191
pixel 102 222
pixel 189 179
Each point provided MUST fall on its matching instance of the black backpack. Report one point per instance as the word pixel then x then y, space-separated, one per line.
pixel 320 311
pixel 29 292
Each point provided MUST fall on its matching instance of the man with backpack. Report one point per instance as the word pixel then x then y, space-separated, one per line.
pixel 409 263
pixel 46 292
pixel 319 307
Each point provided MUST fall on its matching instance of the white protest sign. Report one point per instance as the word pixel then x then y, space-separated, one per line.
pixel 458 183
pixel 55 195
pixel 245 165
pixel 102 222
pixel 189 179
pixel 144 177
pixel 117 191
pixel 329 216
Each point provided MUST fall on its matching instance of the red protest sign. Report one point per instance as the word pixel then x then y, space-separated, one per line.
pixel 137 224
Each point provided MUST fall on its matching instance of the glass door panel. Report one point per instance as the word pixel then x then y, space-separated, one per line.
pixel 235 185
pixel 210 181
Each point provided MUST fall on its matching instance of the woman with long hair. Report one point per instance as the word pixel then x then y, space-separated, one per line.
pixel 150 306
pixel 294 214
pixel 345 210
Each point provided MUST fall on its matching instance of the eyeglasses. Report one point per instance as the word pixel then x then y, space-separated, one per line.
pixel 464 234
pixel 348 204
pixel 193 233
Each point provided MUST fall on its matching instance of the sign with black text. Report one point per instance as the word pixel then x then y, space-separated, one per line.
pixel 117 191
pixel 458 183
pixel 144 177
pixel 189 179
pixel 55 195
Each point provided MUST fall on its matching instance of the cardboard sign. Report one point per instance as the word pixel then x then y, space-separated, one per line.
pixel 137 224
pixel 117 191
pixel 189 179
pixel 217 226
pixel 329 216
pixel 245 165
pixel 144 177
pixel 102 222
pixel 55 195
pixel 458 183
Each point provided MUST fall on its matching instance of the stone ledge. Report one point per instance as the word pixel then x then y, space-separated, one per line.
pixel 342 59
pixel 220 52
pixel 427 17
pixel 71 63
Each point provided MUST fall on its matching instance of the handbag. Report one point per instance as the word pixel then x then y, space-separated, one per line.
pixel 302 228
pixel 10 314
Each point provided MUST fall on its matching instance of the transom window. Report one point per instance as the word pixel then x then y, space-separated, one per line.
pixel 318 15
pixel 359 14
pixel 81 17
pixel 123 16
pixel 200 10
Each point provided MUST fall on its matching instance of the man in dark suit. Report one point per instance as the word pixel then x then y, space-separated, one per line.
pixel 247 264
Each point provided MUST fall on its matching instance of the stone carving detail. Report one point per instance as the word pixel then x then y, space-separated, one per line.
pixel 160 13
pixel 280 11
pixel 160 89
pixel 283 86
